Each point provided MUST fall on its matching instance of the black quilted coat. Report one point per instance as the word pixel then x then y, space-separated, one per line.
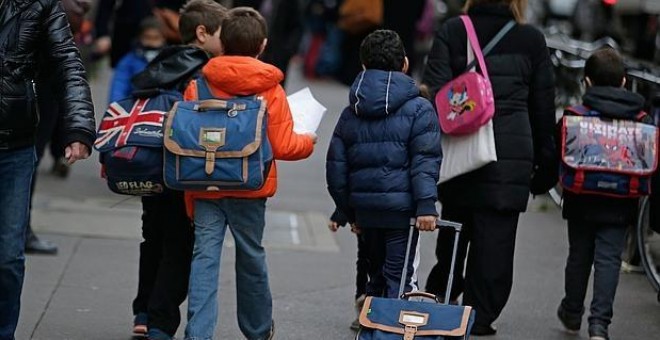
pixel 523 85
pixel 34 35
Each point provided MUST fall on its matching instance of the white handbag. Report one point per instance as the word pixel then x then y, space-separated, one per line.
pixel 464 154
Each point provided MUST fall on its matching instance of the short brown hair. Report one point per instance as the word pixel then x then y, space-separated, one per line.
pixel 243 32
pixel 207 13
pixel 605 68
pixel 518 7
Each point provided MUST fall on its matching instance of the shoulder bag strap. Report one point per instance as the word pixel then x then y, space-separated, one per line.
pixel 467 22
pixel 203 90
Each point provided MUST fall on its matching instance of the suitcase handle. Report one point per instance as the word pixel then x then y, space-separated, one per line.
pixel 439 224
pixel 407 296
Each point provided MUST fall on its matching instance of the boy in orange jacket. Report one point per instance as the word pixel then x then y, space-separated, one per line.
pixel 239 73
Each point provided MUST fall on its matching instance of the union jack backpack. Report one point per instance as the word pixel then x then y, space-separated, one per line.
pixel 130 142
pixel 607 157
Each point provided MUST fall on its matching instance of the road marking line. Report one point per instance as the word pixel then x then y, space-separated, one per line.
pixel 295 237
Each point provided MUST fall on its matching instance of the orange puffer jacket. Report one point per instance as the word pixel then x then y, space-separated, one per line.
pixel 230 76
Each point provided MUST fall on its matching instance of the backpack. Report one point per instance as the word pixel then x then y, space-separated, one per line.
pixel 607 157
pixel 130 142
pixel 466 103
pixel 217 144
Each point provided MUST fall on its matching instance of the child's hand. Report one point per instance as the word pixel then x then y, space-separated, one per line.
pixel 355 229
pixel 333 226
pixel 426 223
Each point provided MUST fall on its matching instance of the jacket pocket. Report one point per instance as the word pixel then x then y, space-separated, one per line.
pixel 32 102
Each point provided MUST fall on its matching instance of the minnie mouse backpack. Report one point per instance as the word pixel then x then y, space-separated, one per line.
pixel 466 103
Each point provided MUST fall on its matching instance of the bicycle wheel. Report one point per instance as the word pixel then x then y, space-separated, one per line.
pixel 648 242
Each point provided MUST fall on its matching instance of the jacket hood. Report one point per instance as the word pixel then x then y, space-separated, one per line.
pixel 172 66
pixel 614 102
pixel 377 93
pixel 242 76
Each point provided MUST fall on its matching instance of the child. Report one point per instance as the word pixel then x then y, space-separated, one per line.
pixel 166 252
pixel 150 42
pixel 597 224
pixel 384 160
pixel 361 266
pixel 238 72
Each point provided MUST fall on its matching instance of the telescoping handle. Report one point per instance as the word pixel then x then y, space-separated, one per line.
pixel 439 224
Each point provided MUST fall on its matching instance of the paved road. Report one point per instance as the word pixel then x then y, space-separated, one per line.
pixel 86 291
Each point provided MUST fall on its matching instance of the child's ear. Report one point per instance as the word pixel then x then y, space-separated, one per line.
pixel 406 65
pixel 200 33
pixel 623 82
pixel 588 81
pixel 263 47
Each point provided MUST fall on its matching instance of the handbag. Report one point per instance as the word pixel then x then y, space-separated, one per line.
pixel 466 153
pixel 405 319
pixel 466 103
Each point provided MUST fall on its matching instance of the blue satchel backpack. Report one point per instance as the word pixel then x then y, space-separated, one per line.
pixel 215 144
pixel 130 142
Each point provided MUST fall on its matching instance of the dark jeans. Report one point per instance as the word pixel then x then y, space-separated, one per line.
pixel 386 250
pixel 491 236
pixel 362 267
pixel 599 245
pixel 165 256
pixel 16 169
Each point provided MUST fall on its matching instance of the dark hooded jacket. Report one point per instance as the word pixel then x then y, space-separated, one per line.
pixel 523 85
pixel 384 157
pixel 30 29
pixel 172 69
pixel 616 103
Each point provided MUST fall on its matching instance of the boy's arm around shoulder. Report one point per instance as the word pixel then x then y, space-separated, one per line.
pixel 337 171
pixel 287 145
pixel 426 156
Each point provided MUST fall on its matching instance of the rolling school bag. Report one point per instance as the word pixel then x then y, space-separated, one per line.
pixel 217 144
pixel 404 319
pixel 130 142
pixel 607 157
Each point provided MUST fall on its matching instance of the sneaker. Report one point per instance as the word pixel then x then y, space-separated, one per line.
pixel 571 324
pixel 157 334
pixel 359 303
pixel 271 335
pixel 140 324
pixel 481 330
pixel 598 332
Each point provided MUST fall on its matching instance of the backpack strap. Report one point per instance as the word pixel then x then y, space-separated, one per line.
pixel 203 90
pixel 580 110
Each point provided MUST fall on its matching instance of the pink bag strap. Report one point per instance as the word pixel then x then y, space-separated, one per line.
pixel 472 36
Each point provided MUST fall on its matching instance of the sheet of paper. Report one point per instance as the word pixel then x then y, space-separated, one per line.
pixel 307 112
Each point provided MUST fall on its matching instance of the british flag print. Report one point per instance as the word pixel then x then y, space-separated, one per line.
pixel 131 122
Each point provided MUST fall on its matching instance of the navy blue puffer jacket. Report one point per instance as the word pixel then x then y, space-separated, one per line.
pixel 384 157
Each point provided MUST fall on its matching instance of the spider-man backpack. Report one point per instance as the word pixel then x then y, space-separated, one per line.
pixel 606 156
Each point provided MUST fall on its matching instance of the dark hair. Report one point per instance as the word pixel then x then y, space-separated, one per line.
pixel 605 68
pixel 243 32
pixel 383 50
pixel 149 23
pixel 207 13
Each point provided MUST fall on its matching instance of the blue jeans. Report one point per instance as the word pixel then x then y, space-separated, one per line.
pixel 16 170
pixel 246 220
pixel 600 246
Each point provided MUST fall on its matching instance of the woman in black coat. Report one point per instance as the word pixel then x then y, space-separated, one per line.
pixel 488 201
